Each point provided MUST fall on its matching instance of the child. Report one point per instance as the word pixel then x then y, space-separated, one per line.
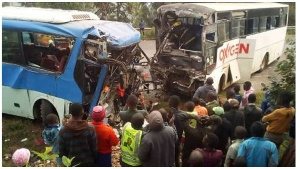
pixel 240 134
pixel 51 131
pixel 105 135
pixel 198 108
pixel 211 156
pixel 190 110
pixel 131 137
pixel 237 89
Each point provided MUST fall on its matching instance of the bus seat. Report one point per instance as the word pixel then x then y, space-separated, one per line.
pixel 48 64
pixel 29 51
pixel 62 63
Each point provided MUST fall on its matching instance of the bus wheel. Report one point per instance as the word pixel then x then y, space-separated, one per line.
pixel 46 109
pixel 264 63
pixel 37 114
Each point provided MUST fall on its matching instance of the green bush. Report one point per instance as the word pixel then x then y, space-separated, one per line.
pixel 149 34
pixel 287 70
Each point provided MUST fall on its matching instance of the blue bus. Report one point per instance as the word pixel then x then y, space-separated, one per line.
pixel 52 58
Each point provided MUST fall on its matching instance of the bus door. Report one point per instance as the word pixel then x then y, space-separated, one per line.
pixel 16 97
pixel 88 73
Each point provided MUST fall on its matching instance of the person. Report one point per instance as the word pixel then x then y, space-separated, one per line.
pixel 258 151
pixel 240 134
pixel 288 157
pixel 202 91
pixel 240 161
pixel 230 94
pixel 192 137
pixel 157 148
pixel 266 103
pixel 195 159
pixel 235 116
pixel 105 135
pixel 280 118
pixel 190 110
pixel 142 27
pixel 78 139
pixel 174 102
pixel 251 112
pixel 131 140
pixel 130 109
pixel 198 108
pixel 50 132
pixel 237 89
pixel 223 130
pixel 211 103
pixel 248 89
pixel 211 156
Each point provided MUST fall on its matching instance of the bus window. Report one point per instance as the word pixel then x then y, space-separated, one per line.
pixel 11 47
pixel 48 51
pixel 223 32
pixel 237 28
pixel 269 25
pixel 275 21
pixel 252 25
pixel 262 24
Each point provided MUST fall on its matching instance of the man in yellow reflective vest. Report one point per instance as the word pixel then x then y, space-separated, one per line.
pixel 130 142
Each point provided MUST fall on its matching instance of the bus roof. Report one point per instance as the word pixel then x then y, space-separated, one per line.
pixel 218 7
pixel 47 15
pixel 119 34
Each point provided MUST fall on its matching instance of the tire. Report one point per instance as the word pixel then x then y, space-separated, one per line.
pixel 46 109
pixel 263 64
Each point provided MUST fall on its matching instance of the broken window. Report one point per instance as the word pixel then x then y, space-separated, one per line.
pixel 46 51
pixel 223 32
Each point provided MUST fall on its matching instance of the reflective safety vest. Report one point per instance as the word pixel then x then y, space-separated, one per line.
pixel 192 122
pixel 130 143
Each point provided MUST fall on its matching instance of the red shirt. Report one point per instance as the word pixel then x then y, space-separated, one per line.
pixel 106 137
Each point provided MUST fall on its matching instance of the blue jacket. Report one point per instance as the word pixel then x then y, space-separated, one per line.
pixel 259 152
pixel 50 136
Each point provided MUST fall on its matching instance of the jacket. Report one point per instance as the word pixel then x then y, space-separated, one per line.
pixel 157 148
pixel 78 139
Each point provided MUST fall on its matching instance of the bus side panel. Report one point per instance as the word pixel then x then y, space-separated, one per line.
pixel 15 102
pixel 271 42
pixel 59 104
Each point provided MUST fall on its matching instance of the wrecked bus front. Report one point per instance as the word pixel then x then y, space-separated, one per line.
pixel 180 47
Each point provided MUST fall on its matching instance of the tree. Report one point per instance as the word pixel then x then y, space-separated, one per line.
pixel 287 69
pixel 87 6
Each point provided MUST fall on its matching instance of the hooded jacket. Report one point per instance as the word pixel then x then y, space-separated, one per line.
pixel 78 139
pixel 50 136
pixel 157 148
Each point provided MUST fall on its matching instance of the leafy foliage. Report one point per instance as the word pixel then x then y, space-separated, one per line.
pixel 287 70
pixel 46 155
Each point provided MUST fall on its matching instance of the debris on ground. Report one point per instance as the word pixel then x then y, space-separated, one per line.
pixel 25 139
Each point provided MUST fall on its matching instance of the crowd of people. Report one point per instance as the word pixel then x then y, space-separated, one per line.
pixel 207 134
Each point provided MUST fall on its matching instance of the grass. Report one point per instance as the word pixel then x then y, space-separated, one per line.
pixel 15 129
pixel 149 34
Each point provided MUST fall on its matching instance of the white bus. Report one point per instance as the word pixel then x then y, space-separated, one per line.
pixel 226 41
